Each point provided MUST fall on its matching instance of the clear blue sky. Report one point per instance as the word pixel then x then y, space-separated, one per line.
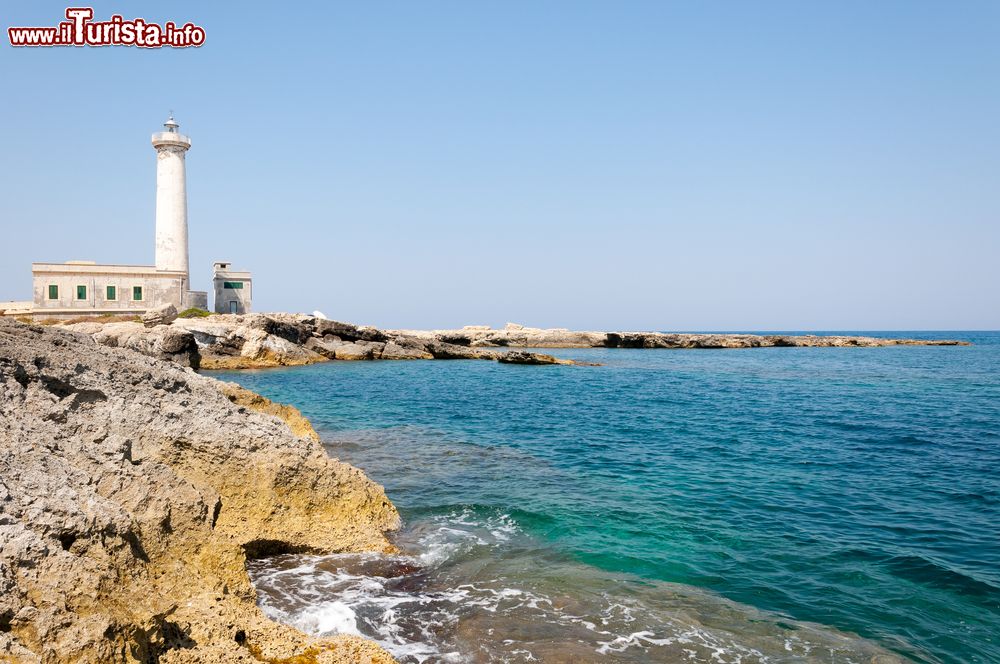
pixel 646 165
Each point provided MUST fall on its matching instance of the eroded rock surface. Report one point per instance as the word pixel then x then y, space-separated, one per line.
pixel 164 342
pixel 290 415
pixel 248 341
pixel 519 336
pixel 520 357
pixel 165 314
pixel 265 340
pixel 131 492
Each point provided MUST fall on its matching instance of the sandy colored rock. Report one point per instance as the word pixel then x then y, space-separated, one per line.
pixel 518 336
pixel 394 351
pixel 164 314
pixel 290 415
pixel 521 357
pixel 356 351
pixel 251 341
pixel 131 493
pixel 325 346
pixel 261 349
pixel 164 342
pixel 87 327
pixel 443 350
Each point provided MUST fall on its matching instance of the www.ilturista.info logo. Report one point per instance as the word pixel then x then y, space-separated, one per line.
pixel 80 30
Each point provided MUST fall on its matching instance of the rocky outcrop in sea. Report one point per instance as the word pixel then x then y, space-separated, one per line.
pixel 519 336
pixel 272 340
pixel 253 341
pixel 132 493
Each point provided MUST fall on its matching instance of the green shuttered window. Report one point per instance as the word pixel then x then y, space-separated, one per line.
pixel 137 293
pixel 81 292
pixel 53 292
pixel 232 284
pixel 111 294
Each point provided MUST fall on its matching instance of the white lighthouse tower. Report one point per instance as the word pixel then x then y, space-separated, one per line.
pixel 171 201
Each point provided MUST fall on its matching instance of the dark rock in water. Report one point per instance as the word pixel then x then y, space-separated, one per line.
pixel 445 351
pixel 633 340
pixel 395 351
pixel 345 331
pixel 457 338
pixel 386 567
pixel 357 351
pixel 368 333
pixel 413 343
pixel 297 334
pixel 327 346
pixel 522 357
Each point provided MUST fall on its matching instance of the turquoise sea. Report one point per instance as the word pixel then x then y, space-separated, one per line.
pixel 751 505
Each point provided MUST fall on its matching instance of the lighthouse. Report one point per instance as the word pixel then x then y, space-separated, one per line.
pixel 171 200
pixel 84 287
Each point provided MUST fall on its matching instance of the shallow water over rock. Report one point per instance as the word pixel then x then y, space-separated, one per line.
pixel 473 587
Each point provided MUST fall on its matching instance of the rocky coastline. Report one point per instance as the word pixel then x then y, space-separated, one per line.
pixel 132 493
pixel 133 490
pixel 252 341
pixel 519 336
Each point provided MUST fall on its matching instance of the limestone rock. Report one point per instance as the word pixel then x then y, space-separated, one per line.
pixel 416 343
pixel 209 331
pixel 264 349
pixel 394 351
pixel 251 341
pixel 343 330
pixel 447 351
pixel 523 357
pixel 87 327
pixel 357 351
pixel 519 336
pixel 368 333
pixel 165 314
pixel 163 341
pixel 461 337
pixel 325 346
pixel 132 492
pixel 272 340
pixel 290 415
pixel 291 330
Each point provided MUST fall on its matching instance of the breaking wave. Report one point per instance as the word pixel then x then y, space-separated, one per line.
pixel 473 587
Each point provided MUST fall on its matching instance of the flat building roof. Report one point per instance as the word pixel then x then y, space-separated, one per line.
pixel 94 268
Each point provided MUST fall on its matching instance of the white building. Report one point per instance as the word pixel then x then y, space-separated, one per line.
pixel 84 287
pixel 233 289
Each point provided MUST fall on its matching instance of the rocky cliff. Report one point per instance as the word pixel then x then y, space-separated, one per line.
pixel 133 490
